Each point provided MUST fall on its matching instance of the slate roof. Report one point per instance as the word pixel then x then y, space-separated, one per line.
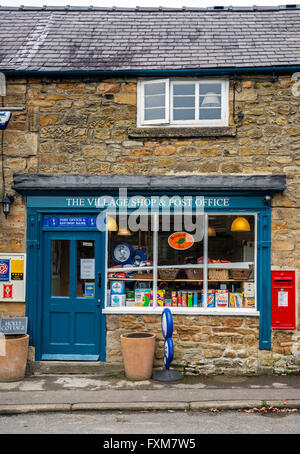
pixel 106 39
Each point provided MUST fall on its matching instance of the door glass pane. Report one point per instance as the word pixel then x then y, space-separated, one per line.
pixel 85 268
pixel 60 268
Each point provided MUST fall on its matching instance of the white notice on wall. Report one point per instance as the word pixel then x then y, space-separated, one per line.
pixel 282 299
pixel 87 268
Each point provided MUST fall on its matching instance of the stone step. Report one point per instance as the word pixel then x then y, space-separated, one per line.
pixel 74 367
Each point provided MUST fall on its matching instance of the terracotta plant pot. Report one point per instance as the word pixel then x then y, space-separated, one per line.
pixel 13 357
pixel 138 354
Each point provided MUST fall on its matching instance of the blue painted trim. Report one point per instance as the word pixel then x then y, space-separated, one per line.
pixel 264 279
pixel 158 73
pixel 70 357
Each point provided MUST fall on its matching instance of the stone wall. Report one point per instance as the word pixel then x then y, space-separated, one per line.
pixel 88 126
pixel 202 345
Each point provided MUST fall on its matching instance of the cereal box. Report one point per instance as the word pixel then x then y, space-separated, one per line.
pixel 210 298
pixel 221 298
pixel 236 300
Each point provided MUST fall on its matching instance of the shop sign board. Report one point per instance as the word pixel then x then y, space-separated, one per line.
pixel 13 325
pixel 70 221
pixel 133 202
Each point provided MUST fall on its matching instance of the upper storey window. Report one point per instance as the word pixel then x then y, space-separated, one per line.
pixel 184 102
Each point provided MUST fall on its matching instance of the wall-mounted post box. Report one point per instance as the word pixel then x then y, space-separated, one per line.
pixel 283 300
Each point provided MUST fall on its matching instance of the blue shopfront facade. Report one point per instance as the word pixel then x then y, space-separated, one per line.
pixel 72 326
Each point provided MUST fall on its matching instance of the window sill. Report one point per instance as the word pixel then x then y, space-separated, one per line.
pixel 181 311
pixel 182 131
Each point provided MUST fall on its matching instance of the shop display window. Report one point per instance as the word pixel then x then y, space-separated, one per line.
pixel 164 263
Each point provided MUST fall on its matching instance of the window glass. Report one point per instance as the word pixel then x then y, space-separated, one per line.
pixel 179 264
pixel 210 101
pixel 210 114
pixel 154 101
pixel 154 114
pixel 183 102
pixel 60 272
pixel 231 261
pixel 85 268
pixel 130 262
pixel 180 260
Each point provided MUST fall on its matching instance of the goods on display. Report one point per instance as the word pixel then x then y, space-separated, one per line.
pixel 118 300
pixel 117 287
pixel 236 300
pixel 221 297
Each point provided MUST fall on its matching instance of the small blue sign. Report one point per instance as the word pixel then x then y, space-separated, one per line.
pixel 70 221
pixel 4 270
pixel 89 289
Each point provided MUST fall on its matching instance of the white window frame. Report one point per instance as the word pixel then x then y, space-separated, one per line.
pixel 141 102
pixel 169 121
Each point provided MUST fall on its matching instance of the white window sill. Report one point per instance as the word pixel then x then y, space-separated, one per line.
pixel 181 311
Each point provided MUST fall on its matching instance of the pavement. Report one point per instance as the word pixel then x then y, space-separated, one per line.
pixel 53 393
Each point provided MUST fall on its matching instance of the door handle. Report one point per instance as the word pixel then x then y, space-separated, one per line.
pixel 99 279
pixel 99 303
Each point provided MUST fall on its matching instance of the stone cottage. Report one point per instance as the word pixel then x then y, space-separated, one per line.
pixel 153 159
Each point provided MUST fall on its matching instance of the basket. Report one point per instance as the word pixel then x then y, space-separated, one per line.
pixel 215 274
pixel 146 276
pixel 194 273
pixel 170 273
pixel 240 274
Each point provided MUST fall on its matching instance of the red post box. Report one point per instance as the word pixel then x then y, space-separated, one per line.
pixel 283 300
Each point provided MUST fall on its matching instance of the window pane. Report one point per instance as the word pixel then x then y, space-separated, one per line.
pixel 131 245
pixel 155 114
pixel 184 114
pixel 155 101
pixel 231 261
pixel 155 88
pixel 85 268
pixel 184 101
pixel 210 100
pixel 180 243
pixel 60 268
pixel 207 88
pixel 210 114
pixel 181 89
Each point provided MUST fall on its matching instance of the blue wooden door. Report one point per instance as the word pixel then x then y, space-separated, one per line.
pixel 73 325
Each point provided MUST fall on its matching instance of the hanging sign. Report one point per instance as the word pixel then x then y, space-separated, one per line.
pixel 181 240
pixel 4 269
